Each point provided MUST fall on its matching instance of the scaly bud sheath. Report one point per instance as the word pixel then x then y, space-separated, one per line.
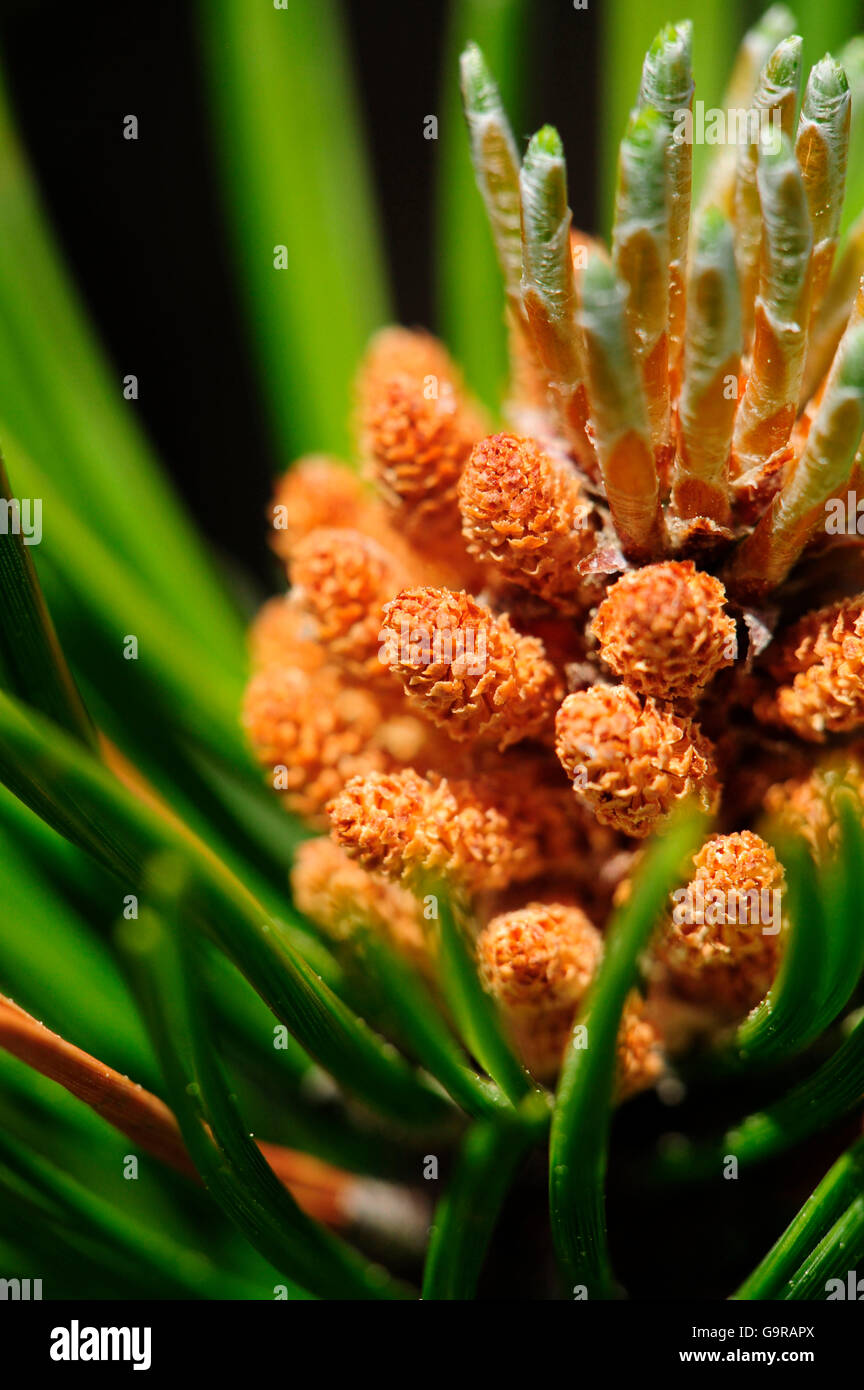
pixel 525 512
pixel 770 401
pixel 756 48
pixel 549 285
pixel 619 417
pixel 466 669
pixel 640 243
pixel 712 359
pixel 496 164
pixel 667 88
pixel 776 96
pixel 833 313
pixel 822 147
pixel 797 513
pixel 851 59
pixel 496 169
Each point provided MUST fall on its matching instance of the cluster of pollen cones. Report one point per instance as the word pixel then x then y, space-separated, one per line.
pixel 505 657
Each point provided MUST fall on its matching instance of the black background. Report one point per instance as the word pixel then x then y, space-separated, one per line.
pixel 141 221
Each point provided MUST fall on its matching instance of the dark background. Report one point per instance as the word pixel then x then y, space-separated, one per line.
pixel 141 221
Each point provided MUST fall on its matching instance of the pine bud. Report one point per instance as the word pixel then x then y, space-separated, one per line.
pixel 630 761
pixel 467 670
pixel 664 629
